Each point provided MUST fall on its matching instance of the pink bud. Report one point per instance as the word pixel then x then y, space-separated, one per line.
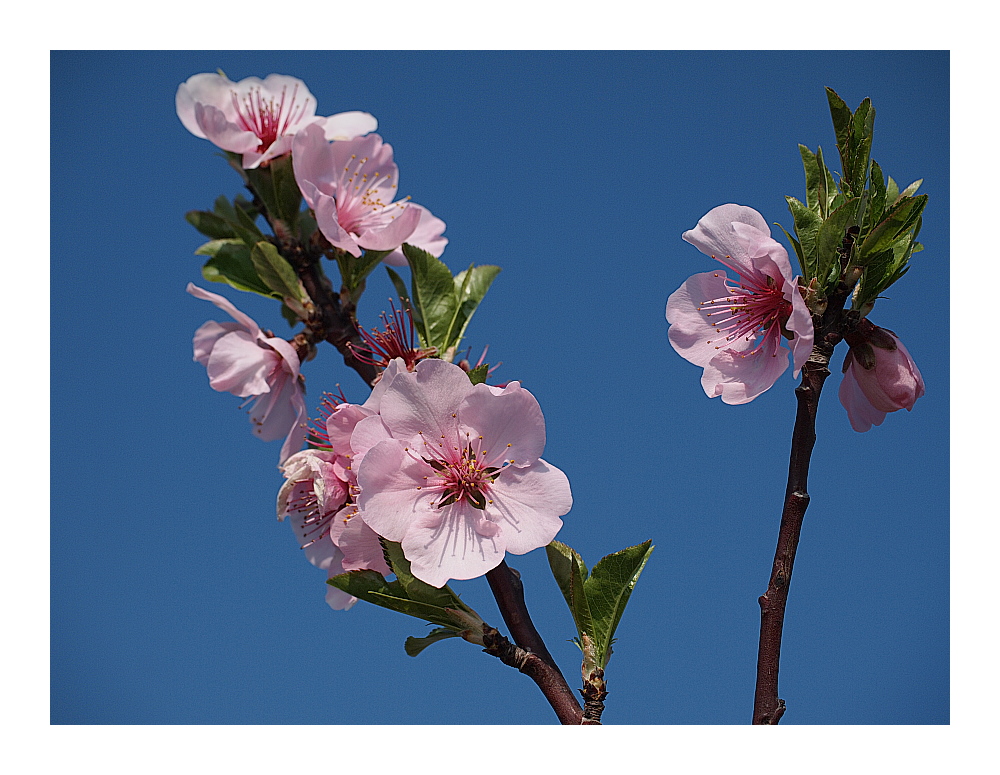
pixel 892 383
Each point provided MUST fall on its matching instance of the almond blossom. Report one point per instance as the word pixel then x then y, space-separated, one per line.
pixel 879 377
pixel 259 117
pixel 244 360
pixel 453 472
pixel 351 185
pixel 733 329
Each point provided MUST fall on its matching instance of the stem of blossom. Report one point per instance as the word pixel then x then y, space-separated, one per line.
pixel 505 583
pixel 830 328
pixel 334 321
pixel 547 677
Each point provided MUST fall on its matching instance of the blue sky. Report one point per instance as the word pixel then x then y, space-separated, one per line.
pixel 576 172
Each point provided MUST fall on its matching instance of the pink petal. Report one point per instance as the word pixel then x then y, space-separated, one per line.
pixel 425 400
pixel 740 378
pixel 530 502
pixel 221 131
pixel 239 365
pixel 326 220
pixel 427 237
pixel 446 545
pixel 714 235
pixel 227 306
pixel 361 547
pixel 690 333
pixel 392 235
pixel 860 411
pixel 799 323
pixel 391 484
pixel 510 424
pixel 345 126
pixel 206 88
pixel 206 337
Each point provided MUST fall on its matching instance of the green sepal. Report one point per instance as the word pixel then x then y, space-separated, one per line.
pixel 414 646
pixel 275 185
pixel 230 263
pixel 478 375
pixel 275 272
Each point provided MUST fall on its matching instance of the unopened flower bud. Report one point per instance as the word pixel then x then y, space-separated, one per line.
pixel 878 379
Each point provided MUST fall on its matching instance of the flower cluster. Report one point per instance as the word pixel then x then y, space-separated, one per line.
pixel 450 470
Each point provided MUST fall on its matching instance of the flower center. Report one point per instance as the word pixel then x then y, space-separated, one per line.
pixel 265 118
pixel 752 309
pixel 360 198
pixel 315 524
pixel 461 473
pixel 397 341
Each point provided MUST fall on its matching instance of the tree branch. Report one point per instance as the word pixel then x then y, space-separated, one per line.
pixel 547 677
pixel 505 583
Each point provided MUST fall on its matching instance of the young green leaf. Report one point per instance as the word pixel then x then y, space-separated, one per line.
pixel 275 185
pixel 570 574
pixel 414 645
pixel 433 297
pixel 230 263
pixel 276 273
pixel 471 286
pixel 608 589
pixel 209 224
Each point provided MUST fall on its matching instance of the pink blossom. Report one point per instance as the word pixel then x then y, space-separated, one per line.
pixel 258 118
pixel 453 472
pixel 351 185
pixel 244 360
pixel 890 382
pixel 733 330
pixel 318 498
pixel 427 236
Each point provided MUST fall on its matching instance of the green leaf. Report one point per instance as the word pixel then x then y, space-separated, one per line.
pixel 276 273
pixel 841 115
pixel 570 573
pixel 416 589
pixel 414 646
pixel 862 127
pixel 608 589
pixel 878 195
pixel 209 224
pixel 359 270
pixel 239 220
pixel 897 222
pixel 830 237
pixel 275 185
pixel 470 288
pixel 811 167
pixel 911 189
pixel 797 248
pixel 433 298
pixel 231 264
pixel 807 225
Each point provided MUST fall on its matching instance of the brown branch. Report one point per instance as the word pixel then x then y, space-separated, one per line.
pixel 829 331
pixel 505 583
pixel 545 676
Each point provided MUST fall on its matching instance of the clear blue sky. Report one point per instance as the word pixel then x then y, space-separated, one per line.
pixel 179 599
